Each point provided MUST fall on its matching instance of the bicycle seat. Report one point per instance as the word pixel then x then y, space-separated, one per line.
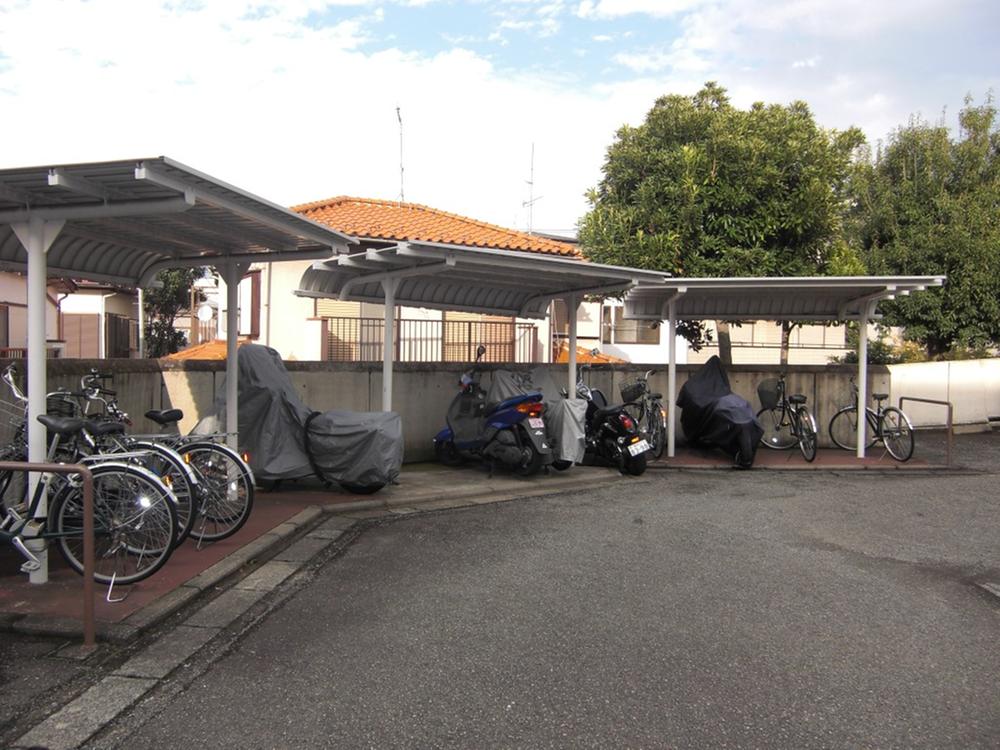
pixel 880 396
pixel 797 399
pixel 165 417
pixel 97 428
pixel 657 396
pixel 61 425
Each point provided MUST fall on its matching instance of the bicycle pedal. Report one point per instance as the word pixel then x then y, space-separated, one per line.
pixel 30 566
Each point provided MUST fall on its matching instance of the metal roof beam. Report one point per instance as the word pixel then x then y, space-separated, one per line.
pixel 398 273
pixel 293 224
pixel 98 211
pixel 60 178
pixel 11 193
pixel 888 293
pixel 151 269
pixel 549 296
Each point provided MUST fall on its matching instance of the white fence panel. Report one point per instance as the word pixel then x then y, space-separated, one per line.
pixel 972 386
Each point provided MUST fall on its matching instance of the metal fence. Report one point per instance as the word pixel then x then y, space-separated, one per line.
pixel 360 340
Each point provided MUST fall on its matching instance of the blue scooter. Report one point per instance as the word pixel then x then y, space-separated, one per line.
pixel 510 433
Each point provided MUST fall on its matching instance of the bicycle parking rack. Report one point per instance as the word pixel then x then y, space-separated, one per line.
pixel 950 424
pixel 89 628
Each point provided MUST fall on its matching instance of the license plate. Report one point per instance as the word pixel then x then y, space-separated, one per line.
pixel 536 422
pixel 636 448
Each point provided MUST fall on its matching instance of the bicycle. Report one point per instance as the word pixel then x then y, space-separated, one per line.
pixel 888 424
pixel 97 438
pixel 786 419
pixel 225 483
pixel 134 515
pixel 649 411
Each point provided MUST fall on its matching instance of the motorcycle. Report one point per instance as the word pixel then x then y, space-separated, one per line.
pixel 611 432
pixel 508 430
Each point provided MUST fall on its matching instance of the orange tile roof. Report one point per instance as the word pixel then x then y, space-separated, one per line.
pixel 215 350
pixel 583 355
pixel 392 220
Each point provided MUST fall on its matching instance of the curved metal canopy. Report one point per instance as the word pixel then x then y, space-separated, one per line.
pixel 123 221
pixel 785 298
pixel 455 277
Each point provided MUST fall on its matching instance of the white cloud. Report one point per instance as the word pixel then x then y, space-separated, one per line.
pixel 810 62
pixel 618 8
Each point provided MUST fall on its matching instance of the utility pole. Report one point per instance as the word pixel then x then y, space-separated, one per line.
pixel 399 117
pixel 530 203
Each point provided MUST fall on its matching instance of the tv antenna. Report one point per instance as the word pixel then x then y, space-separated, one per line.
pixel 530 203
pixel 399 117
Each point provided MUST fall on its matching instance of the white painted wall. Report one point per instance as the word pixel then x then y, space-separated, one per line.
pixel 14 293
pixel 973 387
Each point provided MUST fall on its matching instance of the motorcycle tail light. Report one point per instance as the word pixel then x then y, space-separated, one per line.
pixel 531 408
pixel 627 422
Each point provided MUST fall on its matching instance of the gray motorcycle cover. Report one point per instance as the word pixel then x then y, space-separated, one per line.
pixel 564 417
pixel 361 448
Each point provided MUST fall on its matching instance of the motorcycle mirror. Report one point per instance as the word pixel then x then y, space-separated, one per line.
pixel 594 352
pixel 480 351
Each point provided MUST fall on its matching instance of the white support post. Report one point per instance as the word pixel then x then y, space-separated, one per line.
pixel 232 273
pixel 671 378
pixel 869 310
pixel 572 308
pixel 142 325
pixel 389 287
pixel 37 237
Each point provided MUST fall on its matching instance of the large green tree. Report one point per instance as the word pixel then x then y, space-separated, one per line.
pixel 703 188
pixel 928 202
pixel 161 307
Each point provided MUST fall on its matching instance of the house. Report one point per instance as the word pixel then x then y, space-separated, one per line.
pixel 343 330
pixel 14 315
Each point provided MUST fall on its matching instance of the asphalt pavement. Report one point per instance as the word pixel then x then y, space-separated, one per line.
pixel 682 609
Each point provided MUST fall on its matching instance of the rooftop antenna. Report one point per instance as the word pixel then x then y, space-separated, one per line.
pixel 530 203
pixel 402 198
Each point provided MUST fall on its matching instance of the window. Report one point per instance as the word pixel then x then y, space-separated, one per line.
pixel 4 326
pixel 616 330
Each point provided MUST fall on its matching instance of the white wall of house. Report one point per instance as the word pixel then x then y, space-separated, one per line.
pixel 759 343
pixel 658 353
pixel 14 295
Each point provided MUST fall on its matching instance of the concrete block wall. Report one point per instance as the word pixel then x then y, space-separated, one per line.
pixel 421 391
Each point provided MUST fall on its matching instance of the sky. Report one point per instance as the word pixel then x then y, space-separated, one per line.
pixel 297 100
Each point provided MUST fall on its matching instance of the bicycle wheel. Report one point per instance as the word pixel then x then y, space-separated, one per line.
pixel 806 428
pixel 169 466
pixel 777 424
pixel 134 523
pixel 656 428
pixel 844 429
pixel 897 434
pixel 225 488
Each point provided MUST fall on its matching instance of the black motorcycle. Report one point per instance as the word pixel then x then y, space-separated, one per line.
pixel 611 433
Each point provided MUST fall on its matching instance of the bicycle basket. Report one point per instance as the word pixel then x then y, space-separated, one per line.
pixel 632 391
pixel 769 393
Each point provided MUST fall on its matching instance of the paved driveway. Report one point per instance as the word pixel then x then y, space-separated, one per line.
pixel 681 610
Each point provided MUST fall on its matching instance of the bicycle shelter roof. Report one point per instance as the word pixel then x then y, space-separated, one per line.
pixel 122 222
pixel 471 279
pixel 819 298
pixel 815 298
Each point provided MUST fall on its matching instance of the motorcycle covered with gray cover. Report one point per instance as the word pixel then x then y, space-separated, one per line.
pixel 285 439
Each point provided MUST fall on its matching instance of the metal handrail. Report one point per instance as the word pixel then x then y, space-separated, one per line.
pixel 89 628
pixel 950 424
